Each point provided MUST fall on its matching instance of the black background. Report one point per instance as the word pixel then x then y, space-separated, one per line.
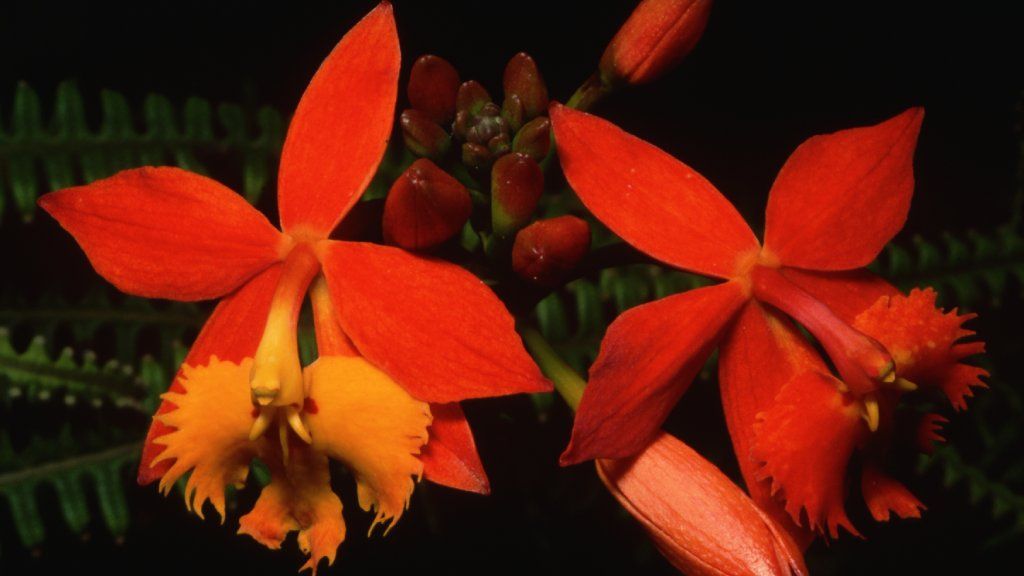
pixel 764 77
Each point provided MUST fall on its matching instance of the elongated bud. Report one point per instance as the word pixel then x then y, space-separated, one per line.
pixel 546 251
pixel 523 80
pixel 425 207
pixel 516 185
pixel 471 97
pixel 656 37
pixel 699 520
pixel 534 139
pixel 423 136
pixel 433 85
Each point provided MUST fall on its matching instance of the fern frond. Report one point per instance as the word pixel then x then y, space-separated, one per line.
pixel 36 156
pixel 963 268
pixel 67 476
pixel 84 319
pixel 33 374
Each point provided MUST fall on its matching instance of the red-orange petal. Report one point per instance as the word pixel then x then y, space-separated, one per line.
pixel 341 127
pixel 232 333
pixel 929 432
pixel 846 293
pixel 806 439
pixel 760 354
pixel 840 197
pixel 432 326
pixel 166 233
pixel 647 360
pixel 926 342
pixel 450 457
pixel 702 522
pixel 885 495
pixel 653 201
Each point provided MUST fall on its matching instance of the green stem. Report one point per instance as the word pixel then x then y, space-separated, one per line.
pixel 592 91
pixel 567 382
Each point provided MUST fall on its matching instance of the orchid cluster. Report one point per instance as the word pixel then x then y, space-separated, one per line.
pixel 817 356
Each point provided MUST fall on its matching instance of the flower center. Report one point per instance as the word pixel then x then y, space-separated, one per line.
pixel 275 381
pixel 861 360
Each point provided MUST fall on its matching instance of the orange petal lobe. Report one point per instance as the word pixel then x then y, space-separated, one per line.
pixel 929 432
pixel 651 200
pixel 450 456
pixel 166 233
pixel 435 328
pixel 372 425
pixel 926 342
pixel 702 522
pixel 760 354
pixel 806 439
pixel 647 360
pixel 298 498
pixel 840 197
pixel 884 495
pixel 341 127
pixel 232 333
pixel 211 432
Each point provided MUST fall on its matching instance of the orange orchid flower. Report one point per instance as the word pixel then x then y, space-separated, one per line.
pixel 401 338
pixel 835 204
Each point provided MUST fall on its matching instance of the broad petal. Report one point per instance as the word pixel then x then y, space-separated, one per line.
pixel 435 328
pixel 232 333
pixel 653 201
pixel 806 439
pixel 846 293
pixel 647 360
pixel 926 342
pixel 341 127
pixel 699 519
pixel 759 355
pixel 884 495
pixel 210 437
pixel 166 233
pixel 840 197
pixel 358 415
pixel 450 456
pixel 298 498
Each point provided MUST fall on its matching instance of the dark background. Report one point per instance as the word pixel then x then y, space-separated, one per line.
pixel 764 77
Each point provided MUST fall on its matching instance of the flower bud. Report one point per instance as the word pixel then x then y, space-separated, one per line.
pixel 546 251
pixel 516 186
pixel 423 136
pixel 523 80
pixel 425 207
pixel 476 157
pixel 534 139
pixel 471 97
pixel 699 520
pixel 433 84
pixel 656 37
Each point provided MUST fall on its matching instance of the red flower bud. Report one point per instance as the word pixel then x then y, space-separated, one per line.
pixel 425 207
pixel 534 139
pixel 423 136
pixel 433 84
pixel 547 250
pixel 699 520
pixel 476 156
pixel 656 37
pixel 516 185
pixel 523 79
pixel 471 97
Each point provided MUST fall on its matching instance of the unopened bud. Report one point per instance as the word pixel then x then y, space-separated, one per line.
pixel 516 186
pixel 476 157
pixel 523 80
pixel 433 85
pixel 534 139
pixel 425 207
pixel 423 136
pixel 546 251
pixel 512 112
pixel 471 97
pixel 656 37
